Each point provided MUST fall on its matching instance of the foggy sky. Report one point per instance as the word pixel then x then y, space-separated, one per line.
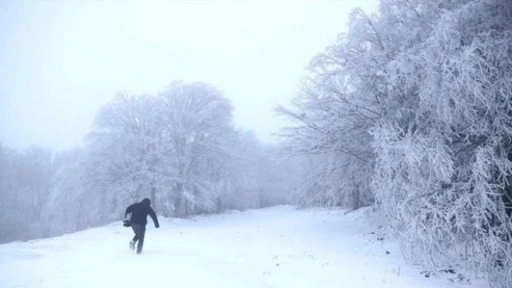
pixel 61 61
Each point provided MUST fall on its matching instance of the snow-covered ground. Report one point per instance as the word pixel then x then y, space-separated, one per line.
pixel 274 247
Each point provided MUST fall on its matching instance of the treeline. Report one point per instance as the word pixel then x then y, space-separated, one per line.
pixel 179 148
pixel 412 110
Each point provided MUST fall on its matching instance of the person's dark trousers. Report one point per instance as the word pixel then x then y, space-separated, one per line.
pixel 139 230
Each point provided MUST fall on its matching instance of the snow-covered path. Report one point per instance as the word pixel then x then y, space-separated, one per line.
pixel 274 247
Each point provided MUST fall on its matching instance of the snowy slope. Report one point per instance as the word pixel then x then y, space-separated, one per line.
pixel 274 247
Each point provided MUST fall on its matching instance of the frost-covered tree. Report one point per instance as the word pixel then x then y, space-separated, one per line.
pixel 422 92
pixel 172 147
pixel 198 131
pixel 123 151
pixel 25 180
pixel 9 189
pixel 340 103
pixel 443 161
pixel 68 207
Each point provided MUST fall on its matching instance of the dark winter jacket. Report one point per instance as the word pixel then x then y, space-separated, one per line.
pixel 140 212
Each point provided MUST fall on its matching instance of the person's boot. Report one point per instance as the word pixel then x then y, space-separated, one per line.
pixel 132 245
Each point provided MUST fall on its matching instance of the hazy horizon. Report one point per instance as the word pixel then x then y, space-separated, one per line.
pixel 62 61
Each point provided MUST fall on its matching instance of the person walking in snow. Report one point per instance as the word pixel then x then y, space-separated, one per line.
pixel 138 220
